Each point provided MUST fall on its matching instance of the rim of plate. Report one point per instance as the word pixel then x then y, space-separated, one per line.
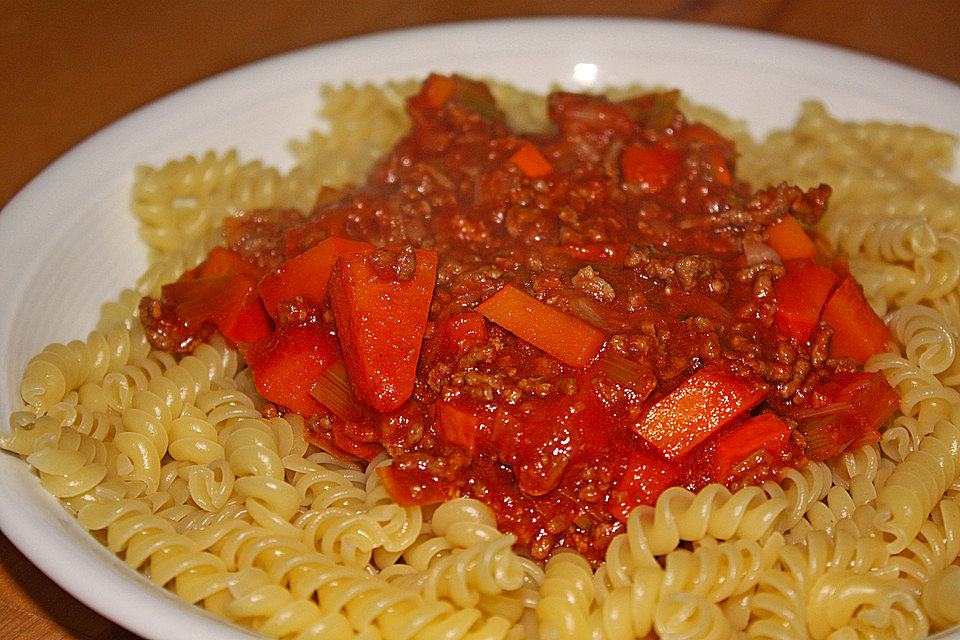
pixel 88 178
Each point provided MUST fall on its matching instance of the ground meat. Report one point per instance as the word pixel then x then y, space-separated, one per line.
pixel 648 260
pixel 393 264
pixel 256 235
pixel 588 281
pixel 775 202
pixel 166 332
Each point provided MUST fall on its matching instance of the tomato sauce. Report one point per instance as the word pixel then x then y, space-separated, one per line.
pixel 588 316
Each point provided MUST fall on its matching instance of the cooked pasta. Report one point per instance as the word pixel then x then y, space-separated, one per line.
pixel 172 464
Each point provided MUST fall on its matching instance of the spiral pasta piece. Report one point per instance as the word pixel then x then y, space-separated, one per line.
pixel 941 598
pixel 566 598
pixel 400 525
pixel 468 562
pixel 918 483
pixel 936 546
pixel 682 616
pixel 185 199
pixel 870 605
pixel 712 512
pixel 927 338
pixel 886 237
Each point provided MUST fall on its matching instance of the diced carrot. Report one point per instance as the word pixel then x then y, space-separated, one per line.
pixel 531 161
pixel 721 172
pixel 568 339
pixel 305 275
pixel 703 403
pixel 228 302
pixel 645 478
pixel 380 322
pixel 857 330
pixel 437 89
pixel 458 423
pixel 654 168
pixel 222 262
pixel 577 113
pixel 250 322
pixel 800 295
pixel 699 132
pixel 200 300
pixel 286 364
pixel 789 240
pixel 463 331
pixel 765 431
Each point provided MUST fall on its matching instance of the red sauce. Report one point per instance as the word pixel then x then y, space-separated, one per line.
pixel 626 218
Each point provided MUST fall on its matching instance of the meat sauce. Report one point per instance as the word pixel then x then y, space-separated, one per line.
pixel 674 360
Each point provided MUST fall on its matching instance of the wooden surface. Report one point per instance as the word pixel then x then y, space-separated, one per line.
pixel 69 68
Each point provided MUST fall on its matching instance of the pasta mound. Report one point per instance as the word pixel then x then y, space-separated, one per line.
pixel 170 461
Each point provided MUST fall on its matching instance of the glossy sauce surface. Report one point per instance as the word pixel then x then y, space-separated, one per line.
pixel 625 232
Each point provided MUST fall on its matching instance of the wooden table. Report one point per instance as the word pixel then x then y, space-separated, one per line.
pixel 68 69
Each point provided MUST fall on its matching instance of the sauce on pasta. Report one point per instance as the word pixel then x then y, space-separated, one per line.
pixel 560 325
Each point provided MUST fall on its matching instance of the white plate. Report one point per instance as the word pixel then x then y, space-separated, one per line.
pixel 68 243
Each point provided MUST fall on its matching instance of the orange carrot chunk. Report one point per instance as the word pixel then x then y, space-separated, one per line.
pixel 789 240
pixel 704 402
pixel 857 331
pixel 286 363
pixel 221 262
pixel 765 431
pixel 458 424
pixel 645 478
pixel 721 172
pixel 381 318
pixel 568 339
pixel 800 295
pixel 228 302
pixel 653 168
pixel 437 89
pixel 531 161
pixel 247 323
pixel 699 132
pixel 463 331
pixel 305 275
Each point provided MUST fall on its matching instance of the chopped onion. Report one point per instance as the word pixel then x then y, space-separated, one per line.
pixel 757 252
pixel 627 373
pixel 587 312
pixel 332 390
